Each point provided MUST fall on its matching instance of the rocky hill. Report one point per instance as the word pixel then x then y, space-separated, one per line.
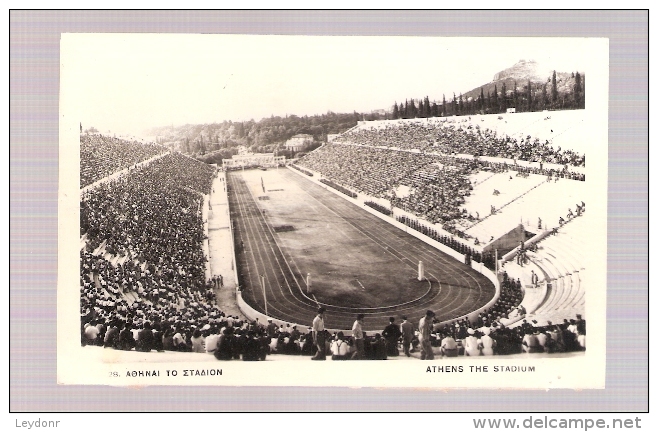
pixel 523 70
pixel 519 75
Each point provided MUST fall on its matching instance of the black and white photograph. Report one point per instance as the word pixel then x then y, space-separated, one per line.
pixel 370 211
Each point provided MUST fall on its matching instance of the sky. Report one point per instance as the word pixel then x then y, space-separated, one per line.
pixel 128 83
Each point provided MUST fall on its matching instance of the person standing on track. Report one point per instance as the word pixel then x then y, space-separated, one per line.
pixel 357 334
pixel 425 327
pixel 392 333
pixel 318 335
pixel 407 330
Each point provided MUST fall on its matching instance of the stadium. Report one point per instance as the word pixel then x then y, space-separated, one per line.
pixel 479 219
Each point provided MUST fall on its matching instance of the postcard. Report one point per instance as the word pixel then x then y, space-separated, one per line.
pixel 263 210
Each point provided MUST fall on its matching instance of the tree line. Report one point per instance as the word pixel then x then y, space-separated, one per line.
pixel 265 136
pixel 559 92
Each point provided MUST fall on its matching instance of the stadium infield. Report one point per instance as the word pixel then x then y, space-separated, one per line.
pixel 287 227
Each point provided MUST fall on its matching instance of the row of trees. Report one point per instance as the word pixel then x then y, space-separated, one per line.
pixel 529 97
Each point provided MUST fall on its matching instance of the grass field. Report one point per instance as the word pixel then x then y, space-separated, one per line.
pixel 289 227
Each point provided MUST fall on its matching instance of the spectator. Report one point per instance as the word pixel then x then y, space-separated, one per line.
pixel 449 347
pixel 212 340
pixel 487 343
pixel 377 348
pixel 340 349
pixel 424 330
pixel 531 343
pixel 358 335
pixel 225 344
pixel 126 338
pixel 392 334
pixel 318 335
pixel 198 342
pixel 407 330
pixel 471 344
pixel 145 339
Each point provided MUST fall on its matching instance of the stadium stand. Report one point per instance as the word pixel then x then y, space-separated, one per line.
pixel 455 137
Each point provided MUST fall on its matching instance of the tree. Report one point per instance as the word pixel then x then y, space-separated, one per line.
pixel 554 90
pixel 443 107
pixel 494 102
pixel 578 92
pixel 396 113
pixel 413 112
pixel 461 104
pixel 515 96
pixel 202 145
pixel 504 98
pixel 426 104
pixel 544 97
pixel 529 96
pixel 482 107
pixel 406 109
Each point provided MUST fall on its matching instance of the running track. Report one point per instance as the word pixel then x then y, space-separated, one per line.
pixel 455 289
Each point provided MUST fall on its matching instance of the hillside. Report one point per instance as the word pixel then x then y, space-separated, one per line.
pixel 264 136
pixel 508 89
pixel 529 71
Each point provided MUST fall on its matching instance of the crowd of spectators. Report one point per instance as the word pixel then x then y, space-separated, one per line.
pixel 159 304
pixel 367 170
pixel 472 339
pixel 438 192
pixel 437 188
pixel 153 214
pixel 503 167
pixel 487 335
pixel 144 234
pixel 448 138
pixel 102 155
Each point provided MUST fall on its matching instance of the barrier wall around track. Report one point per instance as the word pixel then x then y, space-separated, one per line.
pixel 252 314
